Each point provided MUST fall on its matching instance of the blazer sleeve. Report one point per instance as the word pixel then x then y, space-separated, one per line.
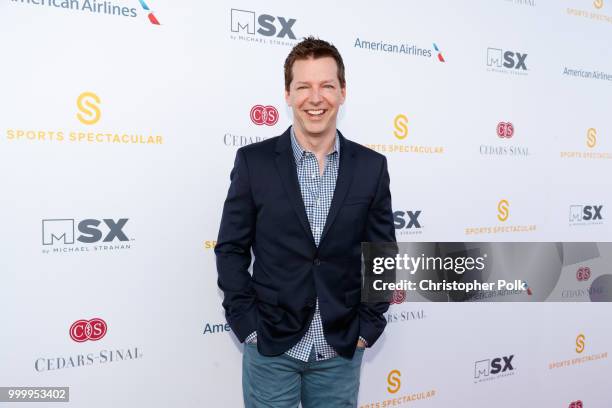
pixel 233 252
pixel 379 228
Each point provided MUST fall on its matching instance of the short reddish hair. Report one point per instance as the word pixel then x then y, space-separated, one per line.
pixel 311 47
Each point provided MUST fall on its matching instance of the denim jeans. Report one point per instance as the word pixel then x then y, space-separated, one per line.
pixel 283 381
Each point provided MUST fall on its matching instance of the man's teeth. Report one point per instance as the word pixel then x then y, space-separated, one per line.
pixel 315 112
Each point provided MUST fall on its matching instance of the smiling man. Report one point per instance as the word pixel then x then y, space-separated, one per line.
pixel 303 202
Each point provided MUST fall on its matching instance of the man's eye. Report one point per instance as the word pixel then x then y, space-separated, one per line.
pixel 329 86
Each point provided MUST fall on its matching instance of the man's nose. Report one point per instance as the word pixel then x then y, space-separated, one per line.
pixel 315 96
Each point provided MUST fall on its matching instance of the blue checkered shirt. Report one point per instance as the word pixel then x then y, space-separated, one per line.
pixel 317 193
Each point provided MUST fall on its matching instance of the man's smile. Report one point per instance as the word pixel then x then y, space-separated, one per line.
pixel 315 113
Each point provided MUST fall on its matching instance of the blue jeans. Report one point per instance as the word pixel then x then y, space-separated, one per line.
pixel 282 381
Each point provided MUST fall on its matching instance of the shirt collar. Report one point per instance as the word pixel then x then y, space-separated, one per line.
pixel 299 152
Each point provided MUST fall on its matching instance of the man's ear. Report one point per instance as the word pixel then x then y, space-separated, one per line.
pixel 287 97
pixel 343 92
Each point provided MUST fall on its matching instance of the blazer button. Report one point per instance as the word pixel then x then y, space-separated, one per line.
pixel 317 261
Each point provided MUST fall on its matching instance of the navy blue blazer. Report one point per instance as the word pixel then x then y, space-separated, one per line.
pixel 264 211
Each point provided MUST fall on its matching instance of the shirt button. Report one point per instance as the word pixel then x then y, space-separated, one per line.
pixel 314 175
pixel 317 261
pixel 319 355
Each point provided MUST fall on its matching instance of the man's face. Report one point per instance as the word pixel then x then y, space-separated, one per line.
pixel 315 95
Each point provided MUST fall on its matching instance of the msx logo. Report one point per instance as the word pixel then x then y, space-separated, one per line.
pixel 484 368
pixel 244 21
pixel 407 220
pixel 585 213
pixel 63 230
pixel 498 58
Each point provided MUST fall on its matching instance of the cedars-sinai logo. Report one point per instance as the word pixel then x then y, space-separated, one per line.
pixel 264 115
pixel 83 330
pixel 399 296
pixel 505 130
pixel 583 273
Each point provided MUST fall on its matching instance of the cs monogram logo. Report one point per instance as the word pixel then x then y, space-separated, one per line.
pixel 503 210
pixel 83 330
pixel 264 115
pixel 89 111
pixel 584 273
pixel 505 130
pixel 399 296
pixel 591 137
pixel 400 123
pixel 393 379
pixel 580 343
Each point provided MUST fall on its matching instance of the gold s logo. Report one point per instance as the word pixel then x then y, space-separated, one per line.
pixel 393 379
pixel 598 4
pixel 400 123
pixel 591 137
pixel 503 210
pixel 89 111
pixel 210 244
pixel 580 343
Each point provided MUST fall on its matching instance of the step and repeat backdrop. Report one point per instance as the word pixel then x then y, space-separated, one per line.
pixel 119 124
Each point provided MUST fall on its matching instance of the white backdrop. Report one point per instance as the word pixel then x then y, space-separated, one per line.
pixel 184 90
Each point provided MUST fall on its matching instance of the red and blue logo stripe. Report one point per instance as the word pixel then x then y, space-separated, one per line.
pixel 151 16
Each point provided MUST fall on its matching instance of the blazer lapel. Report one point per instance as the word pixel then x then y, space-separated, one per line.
pixel 285 164
pixel 345 177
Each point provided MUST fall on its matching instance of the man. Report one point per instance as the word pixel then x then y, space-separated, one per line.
pixel 303 202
